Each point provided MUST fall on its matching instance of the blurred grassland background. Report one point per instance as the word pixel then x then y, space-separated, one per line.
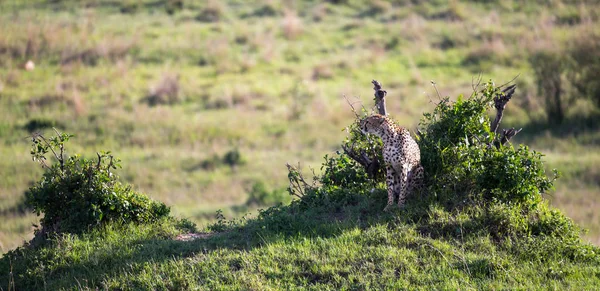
pixel 205 101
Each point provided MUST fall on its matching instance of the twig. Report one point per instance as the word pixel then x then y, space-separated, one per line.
pixel 511 80
pixel 507 134
pixel 99 161
pixel 352 106
pixel 110 164
pixel 436 89
pixel 11 280
pixel 49 146
pixel 474 85
pixel 295 177
pixel 62 150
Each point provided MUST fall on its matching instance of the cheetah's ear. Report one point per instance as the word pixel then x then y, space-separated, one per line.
pixel 378 120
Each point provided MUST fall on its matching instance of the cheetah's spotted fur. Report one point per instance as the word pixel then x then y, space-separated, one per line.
pixel 401 154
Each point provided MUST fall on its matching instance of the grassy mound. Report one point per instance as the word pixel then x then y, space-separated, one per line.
pixel 327 244
pixel 480 223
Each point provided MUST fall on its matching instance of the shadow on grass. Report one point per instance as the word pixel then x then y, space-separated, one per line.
pixel 276 224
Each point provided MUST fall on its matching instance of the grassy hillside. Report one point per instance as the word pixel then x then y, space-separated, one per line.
pixel 480 223
pixel 172 90
pixel 328 247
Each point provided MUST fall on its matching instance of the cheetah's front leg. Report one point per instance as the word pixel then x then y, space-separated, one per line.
pixel 403 177
pixel 391 186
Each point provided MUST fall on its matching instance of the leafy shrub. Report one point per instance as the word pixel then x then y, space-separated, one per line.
pixel 550 68
pixel 213 11
pixel 36 124
pixel 259 195
pixel 376 7
pixel 341 171
pixel 268 9
pixel 172 6
pixel 584 72
pixel 165 91
pixel 563 75
pixel 462 158
pixel 360 142
pixel 233 158
pixel 130 7
pixel 467 170
pixel 76 194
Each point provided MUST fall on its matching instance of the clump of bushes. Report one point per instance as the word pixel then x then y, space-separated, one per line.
pixel 213 11
pixel 233 158
pixel 566 74
pixel 585 72
pixel 260 195
pixel 464 162
pixel 477 187
pixel 165 91
pixel 469 171
pixel 77 194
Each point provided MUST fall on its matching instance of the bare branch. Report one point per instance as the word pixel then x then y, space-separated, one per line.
pixel 99 161
pixel 511 80
pixel 507 134
pixel 110 164
pixel 500 102
pixel 371 165
pixel 352 106
pixel 474 85
pixel 62 150
pixel 436 90
pixel 379 97
pixel 298 184
pixel 49 146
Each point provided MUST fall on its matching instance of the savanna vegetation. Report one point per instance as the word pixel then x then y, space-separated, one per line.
pixel 204 103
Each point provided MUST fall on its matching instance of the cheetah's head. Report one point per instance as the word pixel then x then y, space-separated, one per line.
pixel 372 124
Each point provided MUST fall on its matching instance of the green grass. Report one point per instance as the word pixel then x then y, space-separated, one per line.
pixel 334 245
pixel 270 85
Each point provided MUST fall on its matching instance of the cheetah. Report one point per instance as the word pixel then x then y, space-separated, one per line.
pixel 401 154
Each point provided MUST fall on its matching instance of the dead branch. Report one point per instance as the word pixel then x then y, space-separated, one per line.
pixel 379 97
pixel 500 102
pixel 475 82
pixel 99 161
pixel 436 89
pixel 507 134
pixel 371 165
pixel 298 184
pixel 368 160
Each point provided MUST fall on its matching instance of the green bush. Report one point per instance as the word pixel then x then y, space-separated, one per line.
pixel 259 195
pixel 341 171
pixel 584 72
pixel 233 158
pixel 463 159
pixel 566 74
pixel 550 68
pixel 466 169
pixel 76 194
pixel 464 162
pixel 476 188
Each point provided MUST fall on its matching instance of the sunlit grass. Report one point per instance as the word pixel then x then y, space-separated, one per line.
pixel 272 86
